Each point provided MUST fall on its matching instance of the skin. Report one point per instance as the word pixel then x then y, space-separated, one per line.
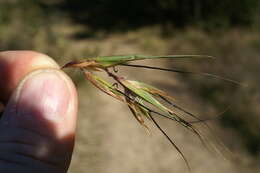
pixel 37 127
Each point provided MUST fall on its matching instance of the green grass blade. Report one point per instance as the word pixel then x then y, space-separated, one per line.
pixel 145 96
pixel 151 89
pixel 108 61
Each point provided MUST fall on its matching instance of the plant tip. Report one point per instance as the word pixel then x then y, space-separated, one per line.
pixel 69 64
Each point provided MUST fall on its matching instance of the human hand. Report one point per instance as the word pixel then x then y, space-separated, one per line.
pixel 37 127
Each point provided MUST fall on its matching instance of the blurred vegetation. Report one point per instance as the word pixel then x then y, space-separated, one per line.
pixel 122 15
pixel 153 27
pixel 35 18
pixel 237 53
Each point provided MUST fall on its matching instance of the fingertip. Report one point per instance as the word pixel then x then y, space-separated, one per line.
pixel 45 99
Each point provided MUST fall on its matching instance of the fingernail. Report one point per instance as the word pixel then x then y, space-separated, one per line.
pixel 45 93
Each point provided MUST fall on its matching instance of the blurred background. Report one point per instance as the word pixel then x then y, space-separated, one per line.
pixel 108 137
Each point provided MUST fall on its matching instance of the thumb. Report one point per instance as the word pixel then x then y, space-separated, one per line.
pixel 38 126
